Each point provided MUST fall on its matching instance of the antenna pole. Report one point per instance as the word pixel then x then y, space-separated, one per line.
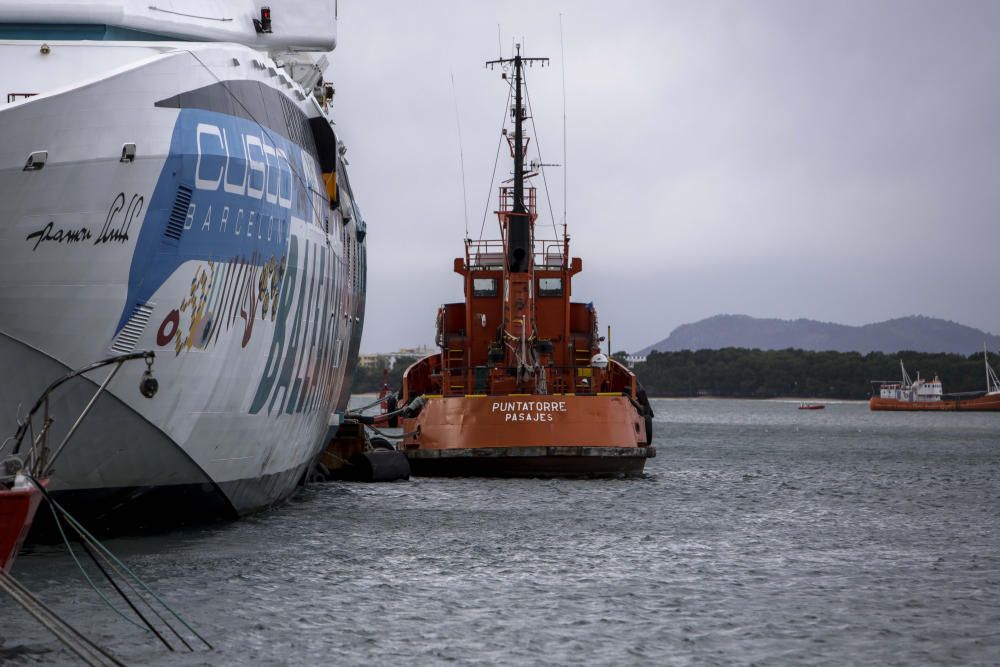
pixel 562 58
pixel 518 137
pixel 461 156
pixel 518 222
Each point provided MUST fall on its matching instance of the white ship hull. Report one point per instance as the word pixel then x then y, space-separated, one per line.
pixel 217 247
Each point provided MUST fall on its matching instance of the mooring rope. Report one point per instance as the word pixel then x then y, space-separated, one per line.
pixel 79 565
pixel 73 639
pixel 77 526
pixel 375 402
pixel 390 436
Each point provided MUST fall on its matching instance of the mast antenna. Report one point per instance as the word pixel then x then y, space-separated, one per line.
pixel 461 156
pixel 519 222
pixel 562 63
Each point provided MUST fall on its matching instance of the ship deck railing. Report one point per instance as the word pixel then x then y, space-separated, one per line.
pixel 489 254
pixel 575 379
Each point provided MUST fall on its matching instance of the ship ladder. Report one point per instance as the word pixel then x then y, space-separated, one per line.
pixel 456 378
pixel 581 359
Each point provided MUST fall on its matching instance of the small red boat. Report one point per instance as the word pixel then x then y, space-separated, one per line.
pixel 811 406
pixel 18 503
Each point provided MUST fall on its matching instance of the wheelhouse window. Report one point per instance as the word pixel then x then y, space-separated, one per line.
pixel 484 287
pixel 550 287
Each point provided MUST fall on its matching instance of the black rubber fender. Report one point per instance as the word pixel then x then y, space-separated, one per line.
pixel 647 411
pixel 380 465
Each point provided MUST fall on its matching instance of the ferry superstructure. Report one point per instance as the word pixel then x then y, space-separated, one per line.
pixel 171 180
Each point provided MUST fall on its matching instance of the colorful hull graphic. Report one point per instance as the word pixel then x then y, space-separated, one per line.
pixel 218 246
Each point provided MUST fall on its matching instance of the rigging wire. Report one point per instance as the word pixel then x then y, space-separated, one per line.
pixel 496 161
pixel 562 65
pixel 461 157
pixel 538 149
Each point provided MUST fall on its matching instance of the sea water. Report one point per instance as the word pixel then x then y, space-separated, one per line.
pixel 760 534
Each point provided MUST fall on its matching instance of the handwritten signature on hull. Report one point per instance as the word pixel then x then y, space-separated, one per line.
pixel 117 224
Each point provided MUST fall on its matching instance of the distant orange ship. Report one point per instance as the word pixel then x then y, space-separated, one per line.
pixel 521 387
pixel 927 395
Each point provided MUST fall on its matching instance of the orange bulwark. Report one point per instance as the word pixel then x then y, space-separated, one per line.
pixel 521 387
pixel 551 435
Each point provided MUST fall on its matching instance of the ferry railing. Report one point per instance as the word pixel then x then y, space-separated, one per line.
pixel 36 459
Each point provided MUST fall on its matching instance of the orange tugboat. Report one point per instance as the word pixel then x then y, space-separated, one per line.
pixel 928 395
pixel 520 387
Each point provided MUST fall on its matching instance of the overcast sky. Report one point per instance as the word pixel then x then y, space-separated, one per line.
pixel 837 161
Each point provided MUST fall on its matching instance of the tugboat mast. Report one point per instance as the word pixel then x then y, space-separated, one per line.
pixel 519 227
pixel 518 138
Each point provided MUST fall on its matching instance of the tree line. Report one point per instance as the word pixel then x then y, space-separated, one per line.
pixel 369 379
pixel 739 372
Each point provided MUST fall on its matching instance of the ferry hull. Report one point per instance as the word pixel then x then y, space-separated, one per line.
pixel 215 245
pixel 989 403
pixel 527 436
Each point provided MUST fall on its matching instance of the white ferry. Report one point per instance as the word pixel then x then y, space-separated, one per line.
pixel 171 180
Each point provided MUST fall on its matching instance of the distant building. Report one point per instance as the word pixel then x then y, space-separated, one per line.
pixel 370 360
pixel 632 359
pixel 389 359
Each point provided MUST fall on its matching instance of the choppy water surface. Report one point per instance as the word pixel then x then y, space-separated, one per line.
pixel 761 534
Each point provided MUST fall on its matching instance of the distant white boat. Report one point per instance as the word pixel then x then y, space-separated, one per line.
pixel 927 395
